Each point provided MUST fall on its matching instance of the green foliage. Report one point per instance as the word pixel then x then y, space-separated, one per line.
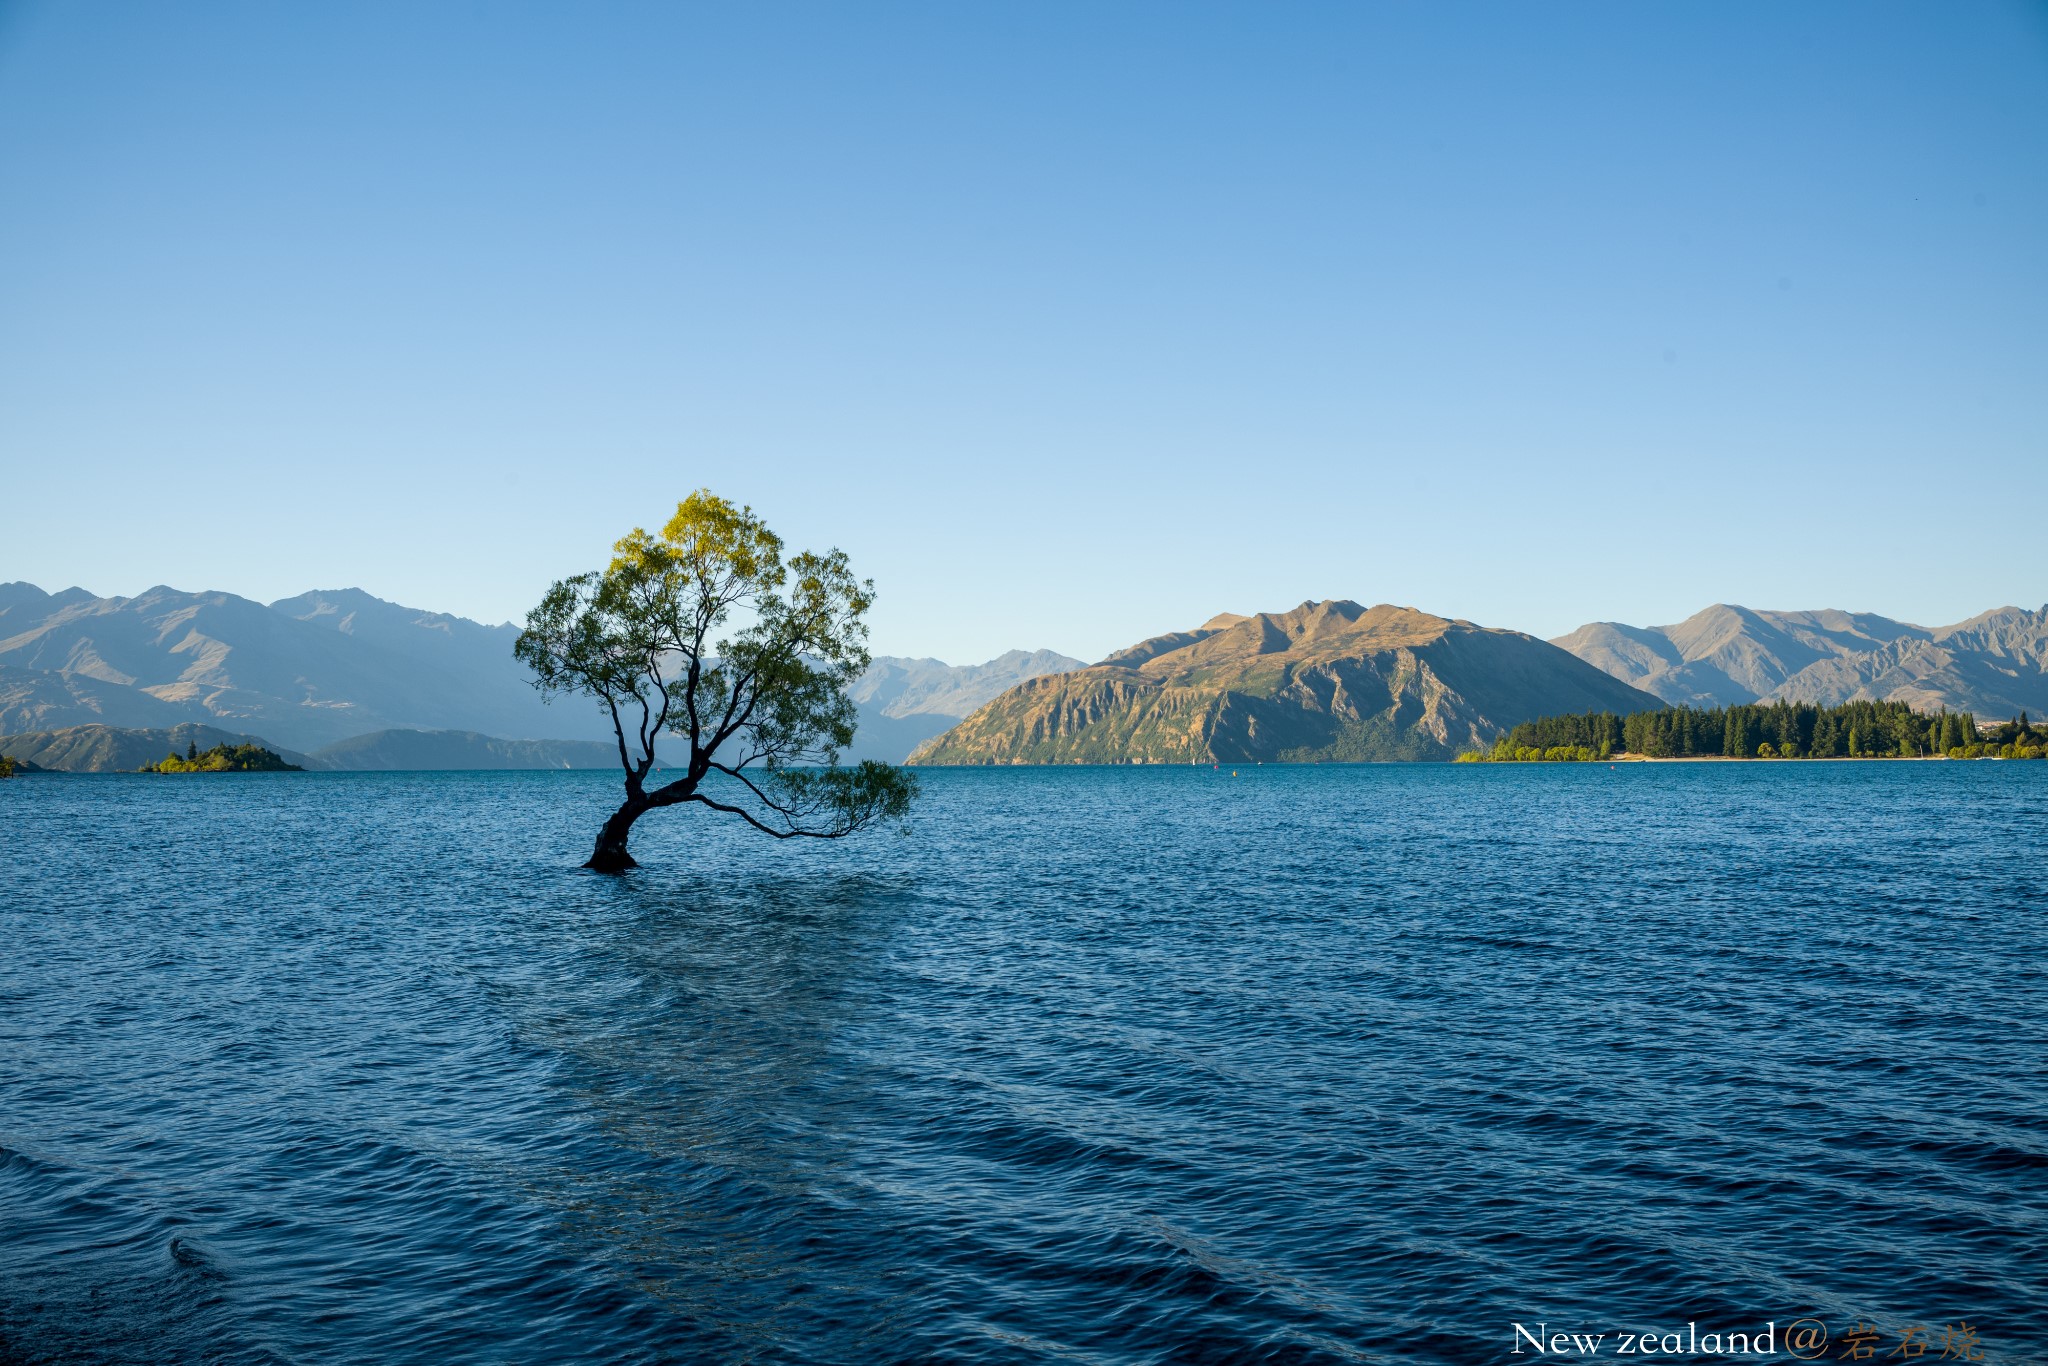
pixel 1506 751
pixel 1853 729
pixel 2018 738
pixel 1556 739
pixel 222 759
pixel 1785 730
pixel 762 708
pixel 6 766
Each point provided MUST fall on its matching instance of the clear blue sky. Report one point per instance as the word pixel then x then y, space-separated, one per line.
pixel 1072 323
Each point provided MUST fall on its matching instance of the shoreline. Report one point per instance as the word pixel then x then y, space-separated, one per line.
pixel 1733 759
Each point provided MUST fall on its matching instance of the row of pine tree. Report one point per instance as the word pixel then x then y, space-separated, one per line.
pixel 1792 730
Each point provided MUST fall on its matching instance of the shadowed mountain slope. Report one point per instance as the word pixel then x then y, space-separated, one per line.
pixel 1328 681
pixel 1994 665
pixel 116 749
pixel 328 666
pixel 306 671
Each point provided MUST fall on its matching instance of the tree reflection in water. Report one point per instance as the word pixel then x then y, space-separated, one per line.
pixel 703 1035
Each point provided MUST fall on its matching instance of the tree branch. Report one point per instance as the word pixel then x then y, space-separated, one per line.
pixel 777 807
pixel 748 817
pixel 618 733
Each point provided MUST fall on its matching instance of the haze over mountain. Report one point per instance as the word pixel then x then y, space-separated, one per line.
pixel 303 672
pixel 119 749
pixel 1326 681
pixel 403 687
pixel 416 689
pixel 904 702
pixel 430 750
pixel 1994 664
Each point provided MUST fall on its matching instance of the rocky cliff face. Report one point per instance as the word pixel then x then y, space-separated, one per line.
pixel 1328 681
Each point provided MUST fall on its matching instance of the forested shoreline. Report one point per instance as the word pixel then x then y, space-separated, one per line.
pixel 1777 730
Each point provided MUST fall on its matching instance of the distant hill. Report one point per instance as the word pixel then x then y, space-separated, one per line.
pixel 335 665
pixel 305 671
pixel 461 749
pixel 1328 681
pixel 1995 665
pixel 904 702
pixel 114 749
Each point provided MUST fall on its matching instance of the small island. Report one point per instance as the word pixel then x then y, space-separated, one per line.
pixel 222 759
pixel 1776 730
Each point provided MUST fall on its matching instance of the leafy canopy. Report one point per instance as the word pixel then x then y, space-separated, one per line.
pixel 765 706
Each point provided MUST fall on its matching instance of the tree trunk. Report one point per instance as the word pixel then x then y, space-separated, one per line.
pixel 610 856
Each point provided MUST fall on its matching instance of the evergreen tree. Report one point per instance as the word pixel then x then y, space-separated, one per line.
pixel 1861 729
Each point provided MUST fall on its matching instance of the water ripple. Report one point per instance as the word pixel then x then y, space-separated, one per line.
pixel 1101 1066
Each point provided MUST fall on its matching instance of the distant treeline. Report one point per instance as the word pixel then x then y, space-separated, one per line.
pixel 1777 730
pixel 222 759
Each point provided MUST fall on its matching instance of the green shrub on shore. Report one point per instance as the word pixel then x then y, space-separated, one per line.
pixel 222 759
pixel 1530 754
pixel 2007 751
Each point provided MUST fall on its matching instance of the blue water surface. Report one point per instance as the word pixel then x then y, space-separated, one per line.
pixel 1091 1065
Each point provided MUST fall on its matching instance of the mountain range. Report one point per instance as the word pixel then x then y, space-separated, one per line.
pixel 1994 664
pixel 1326 681
pixel 303 672
pixel 342 679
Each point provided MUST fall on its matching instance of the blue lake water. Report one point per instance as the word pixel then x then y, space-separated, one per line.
pixel 1092 1065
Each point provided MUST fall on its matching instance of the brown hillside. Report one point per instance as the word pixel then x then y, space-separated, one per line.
pixel 1326 681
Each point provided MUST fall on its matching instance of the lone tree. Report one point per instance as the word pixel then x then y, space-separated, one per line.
pixel 764 713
